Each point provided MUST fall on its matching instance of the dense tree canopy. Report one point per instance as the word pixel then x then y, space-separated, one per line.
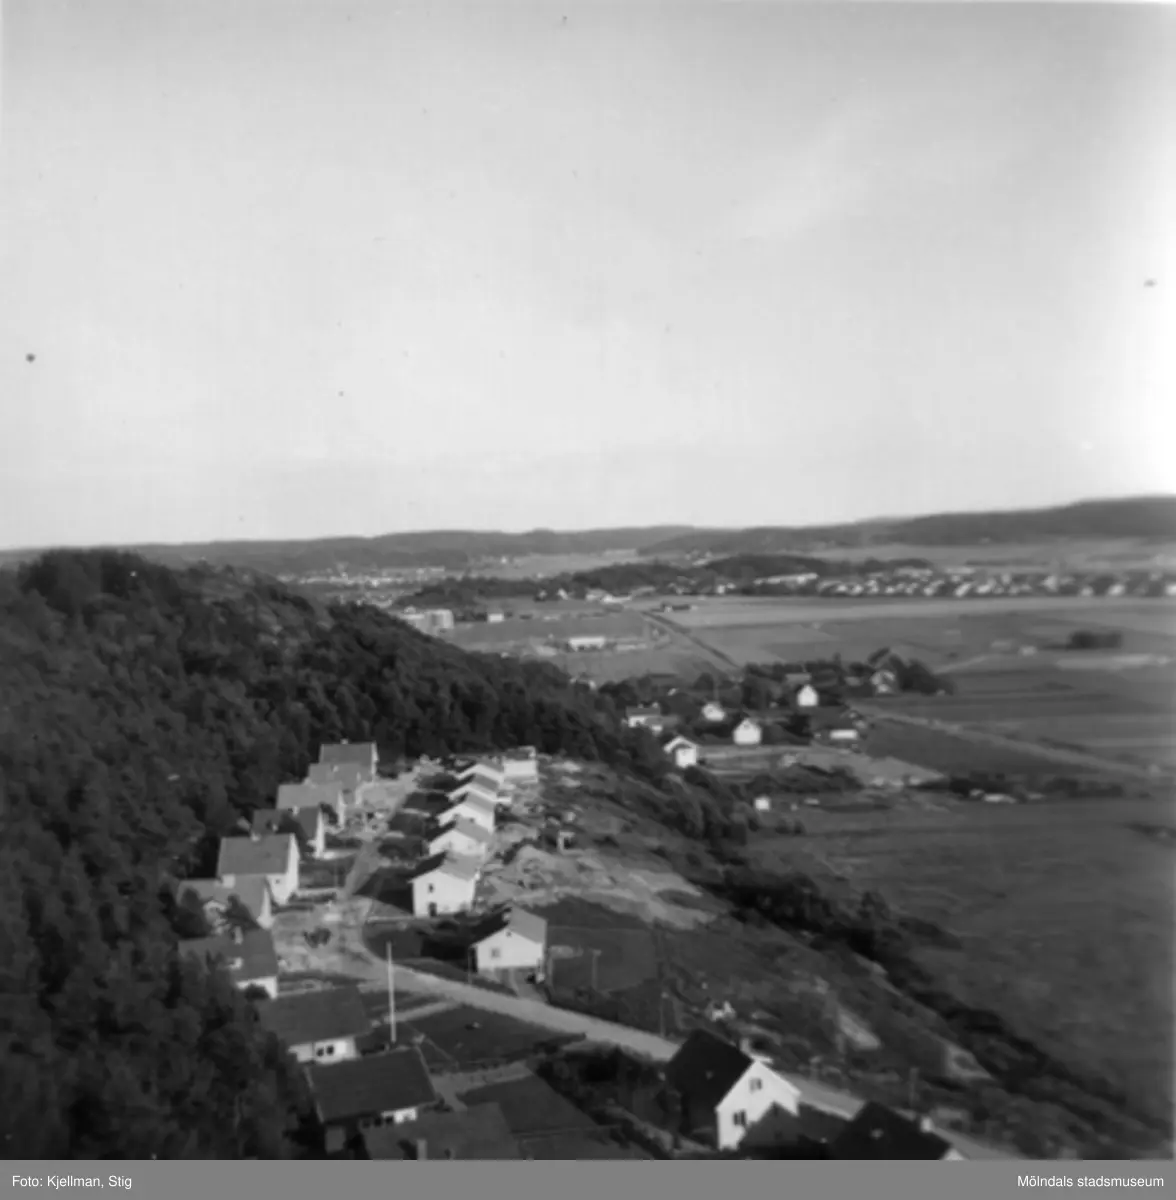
pixel 144 712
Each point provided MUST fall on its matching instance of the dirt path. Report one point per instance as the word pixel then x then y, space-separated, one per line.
pixel 725 661
pixel 1000 741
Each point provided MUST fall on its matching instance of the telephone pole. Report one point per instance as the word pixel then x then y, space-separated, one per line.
pixel 391 996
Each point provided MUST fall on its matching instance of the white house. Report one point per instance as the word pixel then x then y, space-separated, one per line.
pixel 747 733
pixel 714 712
pixel 463 838
pixel 248 955
pixel 475 808
pixel 806 696
pixel 308 822
pixel 762 804
pixel 444 884
pixel 514 940
pixel 683 751
pixel 319 1026
pixel 329 794
pixel 728 1093
pixel 273 858
pixel 521 766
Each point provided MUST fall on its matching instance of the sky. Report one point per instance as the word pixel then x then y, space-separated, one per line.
pixel 301 268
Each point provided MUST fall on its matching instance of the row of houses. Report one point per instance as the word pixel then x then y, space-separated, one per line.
pixel 261 870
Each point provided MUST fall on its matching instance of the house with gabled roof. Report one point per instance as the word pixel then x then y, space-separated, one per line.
pixel 249 957
pixel 463 837
pixel 644 718
pixel 509 941
pixel 359 1094
pixel 352 754
pixel 683 751
pixel 748 732
pixel 307 825
pixel 318 1026
pixel 274 859
pixel 217 900
pixel 444 883
pixel 726 1092
pixel 880 1132
pixel 328 795
pixel 471 807
pixel 521 765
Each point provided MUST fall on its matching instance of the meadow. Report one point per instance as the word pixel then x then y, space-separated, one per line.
pixel 1064 911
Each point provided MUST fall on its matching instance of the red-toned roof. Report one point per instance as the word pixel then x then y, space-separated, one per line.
pixel 363 1087
pixel 256 856
pixel 318 1016
pixel 247 960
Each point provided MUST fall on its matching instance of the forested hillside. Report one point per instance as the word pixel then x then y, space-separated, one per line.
pixel 143 712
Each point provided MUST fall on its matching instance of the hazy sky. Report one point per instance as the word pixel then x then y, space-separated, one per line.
pixel 300 268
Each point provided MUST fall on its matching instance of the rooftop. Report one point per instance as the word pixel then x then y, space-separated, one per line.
pixel 269 821
pixel 361 1087
pixel 459 868
pixel 309 795
pixel 880 1132
pixel 360 754
pixel 251 891
pixel 470 829
pixel 347 775
pixel 706 1068
pixel 256 856
pixel 525 924
pixel 319 1016
pixel 480 1134
pixel 251 958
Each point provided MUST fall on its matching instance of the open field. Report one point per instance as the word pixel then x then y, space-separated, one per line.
pixel 1065 913
pixel 484 634
pixel 544 566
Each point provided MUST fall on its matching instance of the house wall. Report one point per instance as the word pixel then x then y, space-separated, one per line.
pixel 686 756
pixel 750 1101
pixel 335 1050
pixel 522 769
pixel 747 736
pixel 283 886
pixel 318 844
pixel 268 985
pixel 448 894
pixel 513 952
pixel 265 916
pixel 807 698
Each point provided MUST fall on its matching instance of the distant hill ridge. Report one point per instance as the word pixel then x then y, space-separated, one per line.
pixel 1131 517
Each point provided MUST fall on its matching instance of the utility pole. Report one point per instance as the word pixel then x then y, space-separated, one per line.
pixel 595 957
pixel 391 996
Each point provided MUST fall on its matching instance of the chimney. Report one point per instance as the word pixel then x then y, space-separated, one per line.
pixel 422 1149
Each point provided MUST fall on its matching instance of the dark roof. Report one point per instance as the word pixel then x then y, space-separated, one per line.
pixel 880 1132
pixel 270 821
pixel 254 953
pixel 251 891
pixel 255 856
pixel 319 1016
pixel 706 1068
pixel 471 829
pixel 362 1087
pixel 479 1133
pixel 359 754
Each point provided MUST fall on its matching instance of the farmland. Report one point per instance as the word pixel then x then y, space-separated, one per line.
pixel 1064 913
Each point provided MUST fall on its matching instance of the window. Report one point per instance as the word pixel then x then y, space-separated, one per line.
pixel 739 1120
pixel 495 953
pixel 756 1085
pixel 431 887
